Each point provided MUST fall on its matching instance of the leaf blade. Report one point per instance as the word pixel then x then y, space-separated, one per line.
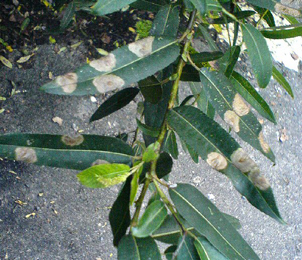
pixel 282 81
pixel 103 7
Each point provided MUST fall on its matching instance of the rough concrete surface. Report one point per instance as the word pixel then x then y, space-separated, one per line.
pixel 71 221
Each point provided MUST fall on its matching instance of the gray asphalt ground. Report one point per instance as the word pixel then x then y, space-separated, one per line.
pixel 71 221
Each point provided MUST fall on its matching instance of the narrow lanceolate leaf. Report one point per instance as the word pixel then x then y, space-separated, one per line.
pixel 166 22
pixel 170 145
pixel 208 220
pixel 151 220
pixel 149 5
pixel 199 58
pixel 147 130
pixel 103 7
pixel 186 249
pixel 267 15
pixel 114 103
pixel 104 175
pixel 282 81
pixel 224 154
pixel 79 152
pixel 259 54
pixel 135 183
pixel 247 91
pixel 239 15
pixel 132 248
pixel 229 60
pixel 207 251
pixel 200 5
pixel 232 108
pixel 276 6
pixel 123 66
pixel 202 100
pixel 283 32
pixel 68 15
pixel 119 215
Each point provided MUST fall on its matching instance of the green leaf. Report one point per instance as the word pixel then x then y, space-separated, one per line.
pixel 147 130
pixel 114 103
pixel 170 145
pixel 213 5
pixel 199 58
pixel 119 215
pixel 206 251
pixel 190 74
pixel 229 60
pixel 104 175
pixel 247 91
pixel 200 5
pixel 151 220
pixel 282 81
pixel 79 152
pixel 169 252
pixel 135 183
pixel 202 100
pixel 231 107
pixel 268 16
pixel 239 15
pixel 68 15
pixel 208 220
pixel 186 249
pixel 207 36
pixel 118 69
pixel 151 152
pixel 151 89
pixel 103 7
pixel 259 54
pixel 224 154
pixel 275 6
pixel 166 22
pixel 234 221
pixel 290 19
pixel 132 248
pixel 283 32
pixel 149 5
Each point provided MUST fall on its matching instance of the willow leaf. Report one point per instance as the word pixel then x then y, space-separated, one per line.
pixel 276 6
pixel 229 60
pixel 207 219
pixel 170 145
pixel 283 32
pixel 103 7
pixel 132 248
pixel 224 154
pixel 246 90
pixel 207 251
pixel 122 67
pixel 282 81
pixel 231 107
pixel 77 153
pixel 259 54
pixel 200 5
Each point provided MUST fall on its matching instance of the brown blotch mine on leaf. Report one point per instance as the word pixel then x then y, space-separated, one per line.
pixel 142 48
pixel 259 181
pixel 287 10
pixel 231 118
pixel 25 154
pixel 217 161
pixel 99 162
pixel 239 106
pixel 68 82
pixel 104 64
pixel 243 162
pixel 107 83
pixel 72 141
pixel 264 145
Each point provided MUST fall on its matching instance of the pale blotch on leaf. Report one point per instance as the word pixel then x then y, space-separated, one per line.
pixel 107 182
pixel 107 83
pixel 99 162
pixel 243 162
pixel 104 64
pixel 25 154
pixel 239 106
pixel 259 181
pixel 72 141
pixel 231 118
pixel 68 82
pixel 217 161
pixel 287 10
pixel 142 48
pixel 264 145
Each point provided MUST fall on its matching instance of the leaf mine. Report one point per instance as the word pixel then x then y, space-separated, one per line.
pixel 107 83
pixel 264 145
pixel 99 162
pixel 25 154
pixel 243 162
pixel 231 118
pixel 104 64
pixel 72 141
pixel 68 82
pixel 239 106
pixel 142 48
pixel 259 181
pixel 217 161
